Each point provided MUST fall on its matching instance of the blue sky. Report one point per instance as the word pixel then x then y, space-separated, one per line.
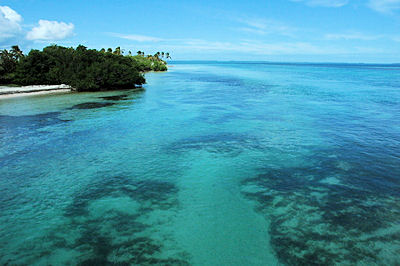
pixel 270 30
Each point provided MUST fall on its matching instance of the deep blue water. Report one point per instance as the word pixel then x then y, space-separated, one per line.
pixel 212 164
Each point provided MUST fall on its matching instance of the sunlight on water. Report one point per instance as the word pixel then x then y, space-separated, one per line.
pixel 211 164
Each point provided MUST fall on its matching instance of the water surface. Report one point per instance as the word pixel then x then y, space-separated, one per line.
pixel 211 164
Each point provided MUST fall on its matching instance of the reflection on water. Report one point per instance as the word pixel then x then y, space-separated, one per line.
pixel 212 164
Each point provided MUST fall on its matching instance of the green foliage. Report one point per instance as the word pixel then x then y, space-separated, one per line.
pixel 83 69
pixel 149 63
pixel 8 64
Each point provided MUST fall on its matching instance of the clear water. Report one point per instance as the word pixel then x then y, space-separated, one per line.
pixel 212 164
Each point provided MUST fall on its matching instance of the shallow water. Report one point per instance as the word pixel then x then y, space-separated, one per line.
pixel 211 164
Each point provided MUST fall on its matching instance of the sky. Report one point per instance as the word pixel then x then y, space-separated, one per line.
pixel 354 31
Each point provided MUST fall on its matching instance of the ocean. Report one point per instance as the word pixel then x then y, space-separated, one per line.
pixel 212 163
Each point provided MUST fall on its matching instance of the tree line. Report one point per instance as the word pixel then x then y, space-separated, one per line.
pixel 119 51
pixel 82 68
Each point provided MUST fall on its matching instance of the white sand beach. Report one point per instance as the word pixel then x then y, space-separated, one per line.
pixel 11 92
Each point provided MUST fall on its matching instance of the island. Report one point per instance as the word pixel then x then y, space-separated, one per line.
pixel 79 68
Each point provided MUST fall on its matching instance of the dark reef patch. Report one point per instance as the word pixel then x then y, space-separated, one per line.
pixel 209 78
pixel 30 122
pixel 159 194
pixel 326 215
pixel 13 129
pixel 91 105
pixel 112 235
pixel 222 143
pixel 115 97
pixel 114 220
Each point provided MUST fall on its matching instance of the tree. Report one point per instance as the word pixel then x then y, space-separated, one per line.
pixel 117 51
pixel 167 56
pixel 79 48
pixel 16 52
pixel 162 54
pixel 7 60
pixel 82 68
pixel 139 52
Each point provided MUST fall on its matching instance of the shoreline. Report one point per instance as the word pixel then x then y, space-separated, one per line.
pixel 7 92
pixel 35 93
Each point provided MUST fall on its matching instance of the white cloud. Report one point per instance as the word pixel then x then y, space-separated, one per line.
pixel 10 14
pixel 352 36
pixel 50 31
pixel 252 30
pixel 137 38
pixel 324 3
pixel 266 26
pixel 357 36
pixel 253 47
pixel 9 23
pixel 384 6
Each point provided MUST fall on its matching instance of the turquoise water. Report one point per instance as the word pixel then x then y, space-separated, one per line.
pixel 211 164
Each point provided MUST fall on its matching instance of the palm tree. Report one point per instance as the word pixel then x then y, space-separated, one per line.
pixel 8 62
pixel 117 51
pixel 139 52
pixel 16 52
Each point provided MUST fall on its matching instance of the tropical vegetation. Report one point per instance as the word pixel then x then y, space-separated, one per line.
pixel 82 68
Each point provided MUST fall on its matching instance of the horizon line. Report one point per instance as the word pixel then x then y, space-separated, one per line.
pixel 286 62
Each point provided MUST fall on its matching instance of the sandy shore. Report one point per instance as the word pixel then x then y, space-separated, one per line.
pixel 11 92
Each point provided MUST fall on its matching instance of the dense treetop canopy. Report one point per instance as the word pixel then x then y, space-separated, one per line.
pixel 83 69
